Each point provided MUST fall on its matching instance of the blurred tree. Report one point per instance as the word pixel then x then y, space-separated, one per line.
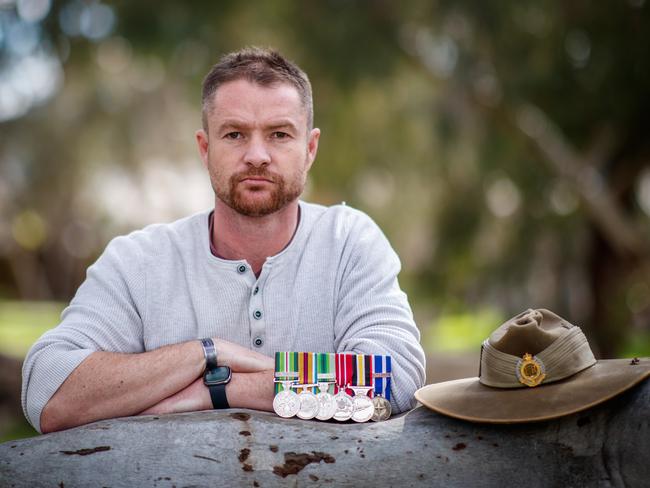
pixel 502 146
pixel 560 93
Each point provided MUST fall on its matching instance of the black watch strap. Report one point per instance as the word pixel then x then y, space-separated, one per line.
pixel 210 353
pixel 218 396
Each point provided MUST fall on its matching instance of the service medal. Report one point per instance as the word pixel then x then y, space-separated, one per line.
pixel 344 406
pixel 308 405
pixel 382 409
pixel 326 403
pixel 286 404
pixel 362 404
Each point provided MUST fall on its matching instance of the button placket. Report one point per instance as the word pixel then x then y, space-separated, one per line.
pixel 258 316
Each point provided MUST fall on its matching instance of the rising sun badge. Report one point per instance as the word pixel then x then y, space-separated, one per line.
pixel 530 370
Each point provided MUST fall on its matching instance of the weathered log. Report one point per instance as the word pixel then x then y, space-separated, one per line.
pixel 605 446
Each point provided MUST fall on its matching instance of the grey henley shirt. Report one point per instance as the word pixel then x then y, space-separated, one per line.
pixel 334 288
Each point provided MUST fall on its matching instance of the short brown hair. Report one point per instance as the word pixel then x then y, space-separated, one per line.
pixel 263 66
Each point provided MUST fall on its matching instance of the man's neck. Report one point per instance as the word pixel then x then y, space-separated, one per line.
pixel 236 236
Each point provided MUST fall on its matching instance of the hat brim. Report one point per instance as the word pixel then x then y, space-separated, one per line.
pixel 467 399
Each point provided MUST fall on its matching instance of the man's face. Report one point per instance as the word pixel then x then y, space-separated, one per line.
pixel 258 148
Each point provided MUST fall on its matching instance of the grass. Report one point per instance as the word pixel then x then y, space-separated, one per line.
pixel 461 331
pixel 22 323
pixel 636 345
pixel 20 429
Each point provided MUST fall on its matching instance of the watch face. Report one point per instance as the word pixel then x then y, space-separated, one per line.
pixel 216 376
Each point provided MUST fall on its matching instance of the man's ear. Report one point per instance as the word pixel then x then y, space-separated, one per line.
pixel 312 146
pixel 202 142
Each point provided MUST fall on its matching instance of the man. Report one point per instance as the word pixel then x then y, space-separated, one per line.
pixel 262 272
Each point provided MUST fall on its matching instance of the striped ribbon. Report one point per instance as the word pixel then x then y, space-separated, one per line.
pixel 326 371
pixel 286 363
pixel 362 374
pixel 307 370
pixel 381 367
pixel 345 365
pixel 344 368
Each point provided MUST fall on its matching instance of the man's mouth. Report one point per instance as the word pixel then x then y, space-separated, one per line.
pixel 256 179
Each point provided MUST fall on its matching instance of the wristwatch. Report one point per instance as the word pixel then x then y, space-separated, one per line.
pixel 215 377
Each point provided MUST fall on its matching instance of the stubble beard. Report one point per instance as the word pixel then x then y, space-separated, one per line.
pixel 280 194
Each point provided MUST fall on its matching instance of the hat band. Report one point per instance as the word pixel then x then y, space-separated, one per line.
pixel 567 355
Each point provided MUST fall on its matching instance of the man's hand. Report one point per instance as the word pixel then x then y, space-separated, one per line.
pixel 193 398
pixel 240 359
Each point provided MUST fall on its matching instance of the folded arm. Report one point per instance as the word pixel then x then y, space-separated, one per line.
pixel 373 314
pixel 108 385
pixel 94 365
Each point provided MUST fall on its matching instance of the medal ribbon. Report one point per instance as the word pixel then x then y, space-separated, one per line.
pixel 285 364
pixel 345 368
pixel 344 371
pixel 382 366
pixel 362 371
pixel 280 362
pixel 361 375
pixel 307 369
pixel 368 369
pixel 326 370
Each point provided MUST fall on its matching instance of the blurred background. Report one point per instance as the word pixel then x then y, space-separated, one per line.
pixel 503 147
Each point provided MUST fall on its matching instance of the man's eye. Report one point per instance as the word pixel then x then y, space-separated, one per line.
pixel 279 135
pixel 234 135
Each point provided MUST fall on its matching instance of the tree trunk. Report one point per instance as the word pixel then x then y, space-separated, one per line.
pixel 605 446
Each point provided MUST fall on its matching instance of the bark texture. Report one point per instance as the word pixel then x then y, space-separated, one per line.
pixel 605 446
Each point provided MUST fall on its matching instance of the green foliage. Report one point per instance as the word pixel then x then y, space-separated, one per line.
pixel 461 332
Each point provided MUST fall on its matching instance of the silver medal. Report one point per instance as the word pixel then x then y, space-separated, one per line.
pixel 344 406
pixel 382 409
pixel 308 405
pixel 362 403
pixel 286 404
pixel 326 403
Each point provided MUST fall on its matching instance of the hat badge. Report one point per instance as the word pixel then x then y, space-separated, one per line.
pixel 530 370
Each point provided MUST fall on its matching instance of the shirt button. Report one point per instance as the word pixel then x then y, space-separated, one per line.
pixel 241 269
pixel 257 288
pixel 257 314
pixel 258 342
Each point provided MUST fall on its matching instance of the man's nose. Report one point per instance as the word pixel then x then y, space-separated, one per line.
pixel 257 153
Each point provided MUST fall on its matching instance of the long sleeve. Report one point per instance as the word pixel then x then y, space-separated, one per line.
pixel 373 315
pixel 103 315
pixel 333 288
